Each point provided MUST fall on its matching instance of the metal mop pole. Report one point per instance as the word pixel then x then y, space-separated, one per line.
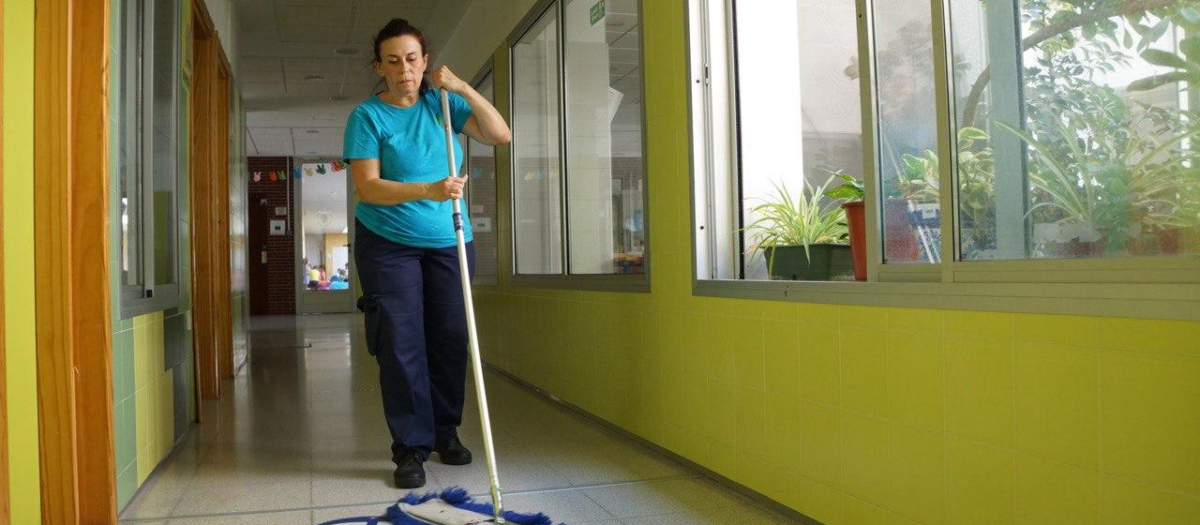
pixel 473 338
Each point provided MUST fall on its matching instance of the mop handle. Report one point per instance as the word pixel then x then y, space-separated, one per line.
pixel 473 338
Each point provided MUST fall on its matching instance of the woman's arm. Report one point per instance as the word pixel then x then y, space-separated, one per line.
pixel 374 190
pixel 485 124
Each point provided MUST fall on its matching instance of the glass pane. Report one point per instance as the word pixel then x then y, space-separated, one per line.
pixel 324 228
pixel 907 162
pixel 1078 141
pixel 799 128
pixel 481 193
pixel 537 218
pixel 165 147
pixel 604 138
pixel 129 150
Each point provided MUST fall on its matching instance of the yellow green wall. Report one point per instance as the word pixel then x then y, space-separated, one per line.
pixel 20 336
pixel 861 415
pixel 154 388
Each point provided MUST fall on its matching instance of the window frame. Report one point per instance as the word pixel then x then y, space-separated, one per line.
pixel 487 70
pixel 632 283
pixel 150 296
pixel 1160 287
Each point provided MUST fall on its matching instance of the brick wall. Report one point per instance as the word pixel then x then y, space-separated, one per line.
pixel 280 270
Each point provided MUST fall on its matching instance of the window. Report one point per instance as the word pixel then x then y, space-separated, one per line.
pixel 537 186
pixel 147 151
pixel 1076 130
pixel 907 132
pixel 1059 138
pixel 481 197
pixel 579 183
pixel 605 175
pixel 795 98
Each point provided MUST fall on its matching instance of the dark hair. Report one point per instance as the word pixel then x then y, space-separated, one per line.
pixel 400 27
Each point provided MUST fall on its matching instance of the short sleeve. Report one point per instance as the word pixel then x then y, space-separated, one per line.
pixel 460 112
pixel 361 140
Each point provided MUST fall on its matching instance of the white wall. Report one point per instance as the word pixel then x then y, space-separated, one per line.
pixel 482 29
pixel 224 17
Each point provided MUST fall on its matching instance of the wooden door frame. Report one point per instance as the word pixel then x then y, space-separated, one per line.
pixel 222 298
pixel 204 40
pixel 213 333
pixel 74 324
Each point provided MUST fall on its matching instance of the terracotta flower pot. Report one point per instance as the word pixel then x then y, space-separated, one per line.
pixel 856 220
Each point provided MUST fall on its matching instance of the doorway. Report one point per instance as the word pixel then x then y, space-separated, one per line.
pixel 324 260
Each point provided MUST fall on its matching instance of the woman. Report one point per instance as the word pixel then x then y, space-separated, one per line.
pixel 405 245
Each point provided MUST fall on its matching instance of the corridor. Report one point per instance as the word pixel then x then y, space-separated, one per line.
pixel 298 437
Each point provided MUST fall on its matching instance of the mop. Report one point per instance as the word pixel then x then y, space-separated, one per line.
pixel 453 506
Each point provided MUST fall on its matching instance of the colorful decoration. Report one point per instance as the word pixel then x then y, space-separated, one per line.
pixel 273 176
pixel 257 176
pixel 321 169
pixel 308 172
pixel 338 166
pixel 296 172
pixel 283 175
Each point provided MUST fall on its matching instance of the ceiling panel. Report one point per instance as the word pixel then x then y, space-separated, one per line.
pixel 262 76
pixel 305 32
pixel 624 39
pixel 624 56
pixel 378 15
pixel 319 64
pixel 253 90
pixel 328 15
pixel 251 64
pixel 284 41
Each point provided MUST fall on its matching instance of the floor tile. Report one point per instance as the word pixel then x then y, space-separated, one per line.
pixel 299 437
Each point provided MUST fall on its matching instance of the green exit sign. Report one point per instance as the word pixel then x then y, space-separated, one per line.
pixel 597 12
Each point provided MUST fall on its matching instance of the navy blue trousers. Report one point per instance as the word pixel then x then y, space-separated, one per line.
pixel 416 327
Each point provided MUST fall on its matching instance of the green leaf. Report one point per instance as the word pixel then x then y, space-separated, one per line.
pixel 1162 58
pixel 1154 33
pixel 845 192
pixel 1191 48
pixel 1155 81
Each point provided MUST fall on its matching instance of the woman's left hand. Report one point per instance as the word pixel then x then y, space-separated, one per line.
pixel 443 78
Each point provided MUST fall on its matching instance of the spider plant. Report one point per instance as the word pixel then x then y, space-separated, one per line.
pixel 1107 186
pixel 797 220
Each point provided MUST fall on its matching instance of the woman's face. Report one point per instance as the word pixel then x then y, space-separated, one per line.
pixel 402 63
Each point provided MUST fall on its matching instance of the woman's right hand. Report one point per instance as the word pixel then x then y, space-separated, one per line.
pixel 447 188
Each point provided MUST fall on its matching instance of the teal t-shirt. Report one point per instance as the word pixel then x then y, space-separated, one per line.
pixel 411 147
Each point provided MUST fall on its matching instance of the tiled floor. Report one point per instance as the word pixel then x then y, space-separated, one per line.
pixel 299 438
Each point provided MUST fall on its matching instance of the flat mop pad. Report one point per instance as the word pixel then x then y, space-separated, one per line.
pixel 451 507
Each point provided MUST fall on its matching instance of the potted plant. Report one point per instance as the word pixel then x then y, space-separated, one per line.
pixel 802 237
pixel 976 193
pixel 1179 232
pixel 1112 192
pixel 852 193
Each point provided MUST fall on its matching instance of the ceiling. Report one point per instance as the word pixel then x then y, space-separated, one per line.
pixel 305 64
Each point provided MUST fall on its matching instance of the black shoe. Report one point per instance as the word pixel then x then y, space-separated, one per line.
pixel 452 452
pixel 409 472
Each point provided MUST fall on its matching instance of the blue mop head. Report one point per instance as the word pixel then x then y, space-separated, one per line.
pixel 457 496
